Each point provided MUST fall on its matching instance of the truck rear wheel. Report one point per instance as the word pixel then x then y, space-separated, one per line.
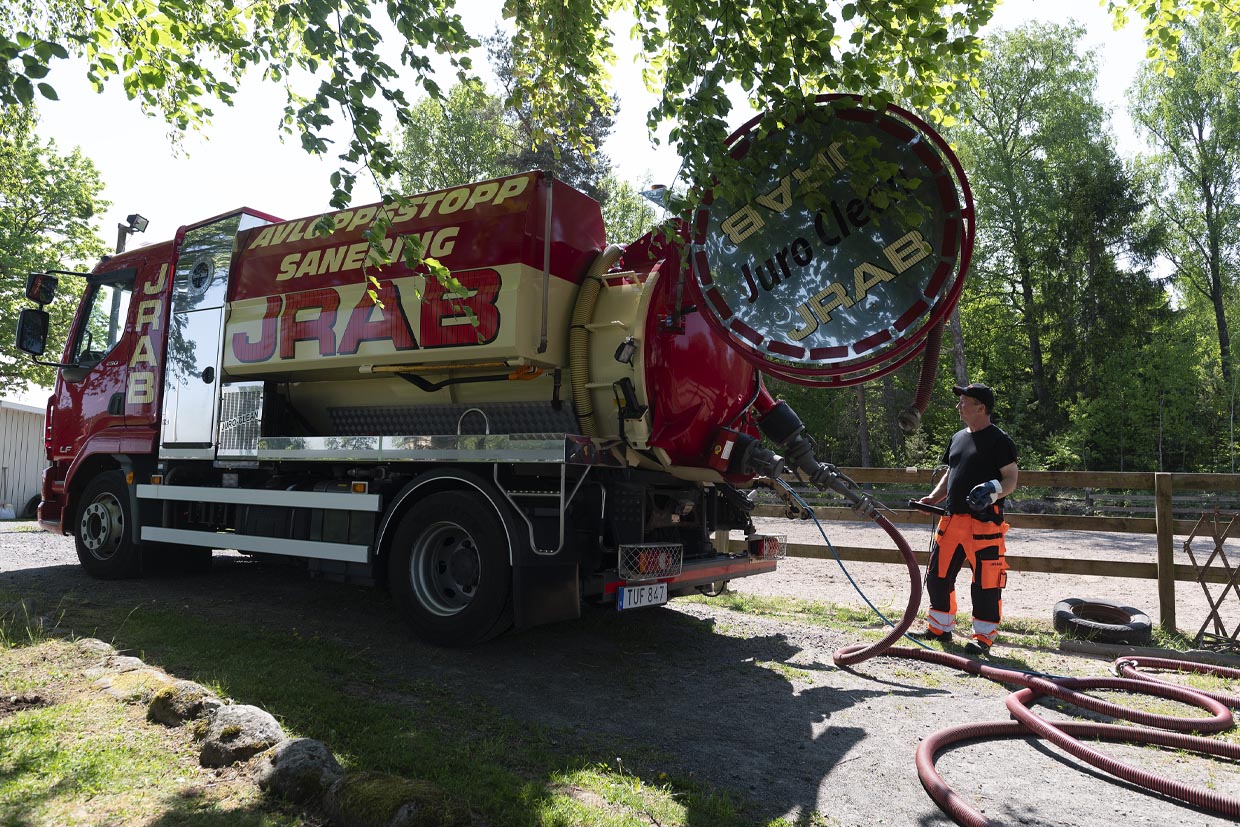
pixel 105 545
pixel 449 570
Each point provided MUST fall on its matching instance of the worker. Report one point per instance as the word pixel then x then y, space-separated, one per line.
pixel 981 463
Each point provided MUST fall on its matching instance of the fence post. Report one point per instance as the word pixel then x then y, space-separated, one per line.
pixel 1164 527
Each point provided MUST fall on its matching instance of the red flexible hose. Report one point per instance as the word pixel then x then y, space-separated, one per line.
pixel 929 367
pixel 962 812
pixel 1127 668
pixel 1065 735
pixel 855 654
pixel 1018 703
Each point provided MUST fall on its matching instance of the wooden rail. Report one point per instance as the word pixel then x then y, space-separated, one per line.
pixel 1163 525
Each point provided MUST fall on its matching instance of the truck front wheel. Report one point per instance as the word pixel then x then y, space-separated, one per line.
pixel 105 545
pixel 449 570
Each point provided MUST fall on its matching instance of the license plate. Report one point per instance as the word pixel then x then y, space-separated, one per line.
pixel 635 597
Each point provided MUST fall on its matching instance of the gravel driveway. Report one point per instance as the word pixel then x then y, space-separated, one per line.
pixel 750 705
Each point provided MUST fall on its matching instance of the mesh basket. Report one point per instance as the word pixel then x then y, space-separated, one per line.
pixel 650 561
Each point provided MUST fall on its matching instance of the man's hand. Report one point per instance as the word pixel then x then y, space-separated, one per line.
pixel 984 495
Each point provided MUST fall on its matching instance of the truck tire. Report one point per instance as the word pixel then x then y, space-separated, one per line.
pixel 105 545
pixel 1103 621
pixel 449 570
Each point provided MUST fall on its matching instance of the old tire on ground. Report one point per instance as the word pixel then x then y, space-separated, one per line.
pixel 449 569
pixel 102 535
pixel 1103 621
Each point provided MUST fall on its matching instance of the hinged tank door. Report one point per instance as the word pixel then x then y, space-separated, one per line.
pixel 195 331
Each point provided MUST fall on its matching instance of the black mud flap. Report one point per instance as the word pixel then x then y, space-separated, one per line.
pixel 545 594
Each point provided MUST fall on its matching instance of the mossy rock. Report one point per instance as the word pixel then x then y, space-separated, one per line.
pixel 182 701
pixel 135 687
pixel 237 733
pixel 371 799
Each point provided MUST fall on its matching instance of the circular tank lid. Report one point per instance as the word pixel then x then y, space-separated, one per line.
pixel 847 243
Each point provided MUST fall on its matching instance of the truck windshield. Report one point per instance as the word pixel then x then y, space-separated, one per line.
pixel 108 309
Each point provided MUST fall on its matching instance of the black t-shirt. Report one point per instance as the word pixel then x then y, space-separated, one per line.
pixel 974 458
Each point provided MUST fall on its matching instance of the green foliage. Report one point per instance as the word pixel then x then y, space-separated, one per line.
pixel 1058 289
pixel 533 130
pixel 457 140
pixel 1192 122
pixel 627 214
pixel 178 58
pixel 47 200
pixel 470 135
pixel 1165 22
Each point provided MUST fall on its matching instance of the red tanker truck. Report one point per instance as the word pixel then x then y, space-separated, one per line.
pixel 562 421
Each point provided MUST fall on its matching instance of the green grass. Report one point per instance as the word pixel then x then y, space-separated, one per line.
pixel 505 770
pixel 798 609
pixel 83 758
pixel 18 527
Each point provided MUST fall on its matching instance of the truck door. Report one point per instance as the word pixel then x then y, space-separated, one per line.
pixel 195 331
pixel 93 391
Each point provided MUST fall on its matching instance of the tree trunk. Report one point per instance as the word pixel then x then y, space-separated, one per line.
pixel 863 428
pixel 1220 317
pixel 1214 231
pixel 890 410
pixel 958 361
pixel 1034 332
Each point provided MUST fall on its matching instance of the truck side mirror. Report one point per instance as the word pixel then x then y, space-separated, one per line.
pixel 32 331
pixel 41 288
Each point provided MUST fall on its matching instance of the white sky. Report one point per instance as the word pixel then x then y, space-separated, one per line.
pixel 240 161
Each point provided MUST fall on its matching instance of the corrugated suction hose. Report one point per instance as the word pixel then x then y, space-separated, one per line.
pixel 909 419
pixel 579 337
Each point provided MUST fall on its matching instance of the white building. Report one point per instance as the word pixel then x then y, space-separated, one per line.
pixel 22 455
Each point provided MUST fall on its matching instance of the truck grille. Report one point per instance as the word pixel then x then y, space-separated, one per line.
pixel 241 419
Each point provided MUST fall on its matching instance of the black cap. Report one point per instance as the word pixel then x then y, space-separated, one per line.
pixel 977 391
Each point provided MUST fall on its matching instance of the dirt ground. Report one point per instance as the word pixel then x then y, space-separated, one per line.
pixel 752 706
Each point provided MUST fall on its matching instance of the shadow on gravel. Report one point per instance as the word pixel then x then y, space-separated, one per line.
pixel 655 691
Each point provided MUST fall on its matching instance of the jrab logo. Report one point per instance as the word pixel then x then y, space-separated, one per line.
pixel 444 319
pixel 140 386
pixel 840 248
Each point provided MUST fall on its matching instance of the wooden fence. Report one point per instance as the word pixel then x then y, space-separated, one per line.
pixel 1209 491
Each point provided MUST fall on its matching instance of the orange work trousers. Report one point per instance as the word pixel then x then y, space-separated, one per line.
pixel 960 539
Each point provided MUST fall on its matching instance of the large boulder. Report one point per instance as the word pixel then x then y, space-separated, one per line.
pixel 95 646
pixel 236 733
pixel 133 686
pixel 115 665
pixel 372 799
pixel 301 770
pixel 180 702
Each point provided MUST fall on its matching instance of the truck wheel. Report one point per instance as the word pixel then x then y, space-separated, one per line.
pixel 105 546
pixel 449 570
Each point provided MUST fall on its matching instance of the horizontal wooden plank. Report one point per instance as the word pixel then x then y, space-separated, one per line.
pixel 1136 480
pixel 1018 562
pixel 1066 522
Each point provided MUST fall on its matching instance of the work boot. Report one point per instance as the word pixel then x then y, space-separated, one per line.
pixel 977 647
pixel 930 634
